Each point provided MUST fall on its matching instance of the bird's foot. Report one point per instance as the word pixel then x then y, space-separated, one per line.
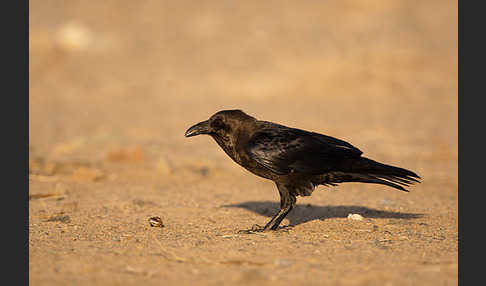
pixel 254 229
pixel 259 229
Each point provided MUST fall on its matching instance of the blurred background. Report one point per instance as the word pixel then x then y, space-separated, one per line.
pixel 123 74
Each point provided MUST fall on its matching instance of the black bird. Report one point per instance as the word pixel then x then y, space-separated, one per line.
pixel 296 160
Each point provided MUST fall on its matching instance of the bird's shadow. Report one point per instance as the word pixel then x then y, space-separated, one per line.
pixel 304 213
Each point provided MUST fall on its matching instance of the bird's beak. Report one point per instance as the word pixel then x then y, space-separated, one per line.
pixel 200 128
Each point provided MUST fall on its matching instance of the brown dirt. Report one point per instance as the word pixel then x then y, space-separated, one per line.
pixel 114 85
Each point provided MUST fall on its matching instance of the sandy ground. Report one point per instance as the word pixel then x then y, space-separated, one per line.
pixel 114 85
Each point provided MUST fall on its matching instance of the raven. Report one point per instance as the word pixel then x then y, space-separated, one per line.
pixel 296 160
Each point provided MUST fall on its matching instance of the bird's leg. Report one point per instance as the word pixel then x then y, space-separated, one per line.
pixel 287 203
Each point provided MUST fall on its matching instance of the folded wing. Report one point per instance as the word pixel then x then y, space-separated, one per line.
pixel 284 150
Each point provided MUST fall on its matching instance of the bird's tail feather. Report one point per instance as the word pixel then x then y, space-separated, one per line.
pixel 368 171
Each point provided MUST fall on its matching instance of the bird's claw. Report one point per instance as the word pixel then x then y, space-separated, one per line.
pixel 254 229
pixel 259 229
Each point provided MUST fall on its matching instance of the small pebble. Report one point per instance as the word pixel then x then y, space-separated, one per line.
pixel 355 217
pixel 156 221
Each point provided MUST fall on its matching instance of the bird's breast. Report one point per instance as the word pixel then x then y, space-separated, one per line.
pixel 238 154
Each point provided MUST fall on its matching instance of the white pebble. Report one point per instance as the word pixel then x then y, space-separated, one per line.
pixel 355 217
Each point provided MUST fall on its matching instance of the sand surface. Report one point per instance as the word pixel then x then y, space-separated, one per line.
pixel 115 84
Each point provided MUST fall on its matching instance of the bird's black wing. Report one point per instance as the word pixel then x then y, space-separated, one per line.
pixel 284 150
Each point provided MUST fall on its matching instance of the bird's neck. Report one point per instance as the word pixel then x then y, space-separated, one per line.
pixel 227 145
pixel 233 144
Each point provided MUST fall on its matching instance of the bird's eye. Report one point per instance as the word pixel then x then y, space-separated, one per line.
pixel 217 123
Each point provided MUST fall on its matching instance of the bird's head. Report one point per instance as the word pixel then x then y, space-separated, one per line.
pixel 220 124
